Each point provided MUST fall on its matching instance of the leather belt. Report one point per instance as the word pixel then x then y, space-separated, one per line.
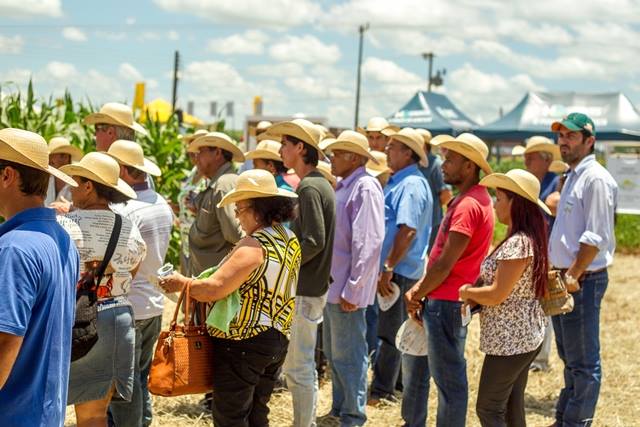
pixel 584 275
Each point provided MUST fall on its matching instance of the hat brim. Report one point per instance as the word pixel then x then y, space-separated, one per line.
pixel 262 154
pixel 72 150
pixel 10 153
pixel 552 149
pixel 148 167
pixel 235 196
pixel 438 139
pixel 98 118
pixel 502 181
pixel 121 186
pixel 213 141
pixel 416 147
pixel 468 152
pixel 297 131
pixel 376 173
pixel 350 147
pixel 556 126
pixel 518 150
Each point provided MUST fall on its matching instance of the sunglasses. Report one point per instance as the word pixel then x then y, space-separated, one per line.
pixel 102 127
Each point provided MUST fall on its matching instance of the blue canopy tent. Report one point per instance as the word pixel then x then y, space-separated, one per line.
pixel 614 115
pixel 435 112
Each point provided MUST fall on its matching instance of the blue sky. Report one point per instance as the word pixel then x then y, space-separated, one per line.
pixel 300 55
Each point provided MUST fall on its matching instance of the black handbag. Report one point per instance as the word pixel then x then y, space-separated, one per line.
pixel 85 329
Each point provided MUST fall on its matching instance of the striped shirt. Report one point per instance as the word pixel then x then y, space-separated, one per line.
pixel 267 296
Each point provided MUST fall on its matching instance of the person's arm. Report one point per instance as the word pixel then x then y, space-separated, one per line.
pixel 445 196
pixel 508 273
pixel 552 201
pixel 9 348
pixel 310 225
pixel 401 244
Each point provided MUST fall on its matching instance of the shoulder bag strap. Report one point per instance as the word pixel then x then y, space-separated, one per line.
pixel 111 247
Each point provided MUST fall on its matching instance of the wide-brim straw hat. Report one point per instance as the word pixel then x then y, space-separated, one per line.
pixel 61 145
pixel 29 149
pixel 558 166
pixel 218 140
pixel 518 181
pixel 352 142
pixel 325 142
pixel 302 129
pixel 467 145
pixel 267 150
pixel 379 168
pixel 413 140
pixel 100 168
pixel 129 153
pixel 375 124
pixel 114 113
pixel 188 139
pixel 537 144
pixel 325 169
pixel 426 135
pixel 254 184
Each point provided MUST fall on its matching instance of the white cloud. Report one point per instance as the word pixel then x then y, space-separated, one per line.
pixel 129 72
pixel 130 20
pixel 283 69
pixel 11 45
pixel 272 13
pixel 250 42
pixel 111 35
pixel 385 71
pixel 305 49
pixel 173 35
pixel 61 70
pixel 536 33
pixel 74 34
pixel 24 8
pixel 414 42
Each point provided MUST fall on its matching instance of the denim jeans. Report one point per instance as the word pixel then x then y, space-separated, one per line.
pixel 139 411
pixel 345 346
pixel 299 366
pixel 578 341
pixel 373 343
pixel 388 362
pixel 445 363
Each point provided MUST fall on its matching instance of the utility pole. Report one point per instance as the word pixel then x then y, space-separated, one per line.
pixel 361 29
pixel 429 57
pixel 176 66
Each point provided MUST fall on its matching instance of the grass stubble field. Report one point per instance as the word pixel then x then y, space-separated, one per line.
pixel 619 403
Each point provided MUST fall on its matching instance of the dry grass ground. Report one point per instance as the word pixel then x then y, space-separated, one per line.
pixel 618 405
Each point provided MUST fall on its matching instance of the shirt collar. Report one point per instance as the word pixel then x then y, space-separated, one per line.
pixel 404 172
pixel 584 164
pixel 345 182
pixel 27 215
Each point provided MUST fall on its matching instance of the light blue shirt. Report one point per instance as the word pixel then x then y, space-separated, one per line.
pixel 408 201
pixel 585 215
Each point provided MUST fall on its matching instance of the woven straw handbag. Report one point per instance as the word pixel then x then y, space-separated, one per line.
pixel 183 360
pixel 556 299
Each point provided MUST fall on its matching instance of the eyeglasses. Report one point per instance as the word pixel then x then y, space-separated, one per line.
pixel 102 127
pixel 238 211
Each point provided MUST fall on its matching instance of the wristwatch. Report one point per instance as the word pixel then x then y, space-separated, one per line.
pixel 386 268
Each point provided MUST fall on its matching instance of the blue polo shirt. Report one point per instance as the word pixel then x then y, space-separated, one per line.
pixel 38 275
pixel 408 201
pixel 548 186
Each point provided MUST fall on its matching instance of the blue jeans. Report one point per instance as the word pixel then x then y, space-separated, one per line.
pixel 373 343
pixel 138 411
pixel 345 346
pixel 578 341
pixel 445 363
pixel 387 366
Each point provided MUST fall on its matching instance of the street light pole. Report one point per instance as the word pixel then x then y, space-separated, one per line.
pixel 429 57
pixel 361 29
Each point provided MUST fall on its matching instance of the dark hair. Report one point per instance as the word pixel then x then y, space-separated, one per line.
pixel 135 173
pixel 33 182
pixel 415 157
pixel 527 218
pixel 228 155
pixel 273 209
pixel 280 167
pixel 311 154
pixel 585 135
pixel 110 194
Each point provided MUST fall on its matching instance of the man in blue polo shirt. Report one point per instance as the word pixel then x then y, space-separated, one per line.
pixel 38 286
pixel 408 208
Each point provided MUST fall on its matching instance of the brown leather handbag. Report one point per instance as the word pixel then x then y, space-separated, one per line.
pixel 556 299
pixel 183 360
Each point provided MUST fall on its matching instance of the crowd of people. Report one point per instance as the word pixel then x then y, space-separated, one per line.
pixel 332 239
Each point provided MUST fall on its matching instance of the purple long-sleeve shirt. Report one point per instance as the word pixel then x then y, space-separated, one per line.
pixel 358 239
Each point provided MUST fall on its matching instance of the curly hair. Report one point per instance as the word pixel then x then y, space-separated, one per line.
pixel 276 209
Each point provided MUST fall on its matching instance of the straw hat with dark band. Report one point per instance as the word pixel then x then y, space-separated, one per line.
pixel 254 184
pixel 129 153
pixel 518 181
pixel 188 139
pixel 301 129
pixel 218 140
pixel 100 168
pixel 352 142
pixel 114 113
pixel 29 149
pixel 467 145
pixel 61 145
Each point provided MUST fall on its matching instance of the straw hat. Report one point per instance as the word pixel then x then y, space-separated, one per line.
pixel 379 168
pixel 325 169
pixel 302 129
pixel 412 139
pixel 266 149
pixel 426 135
pixel 114 113
pixel 254 184
pixel 188 139
pixel 352 142
pixel 61 145
pixel 325 142
pixel 537 144
pixel 375 124
pixel 468 145
pixel 130 153
pixel 219 140
pixel 100 168
pixel 325 132
pixel 263 125
pixel 518 181
pixel 558 166
pixel 29 149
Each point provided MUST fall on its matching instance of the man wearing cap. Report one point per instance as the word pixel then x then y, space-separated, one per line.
pixel 314 227
pixel 215 230
pixel 408 210
pixel 582 245
pixel 377 132
pixel 152 215
pixel 441 192
pixel 461 245
pixel 114 121
pixel 61 153
pixel 354 269
pixel 40 269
